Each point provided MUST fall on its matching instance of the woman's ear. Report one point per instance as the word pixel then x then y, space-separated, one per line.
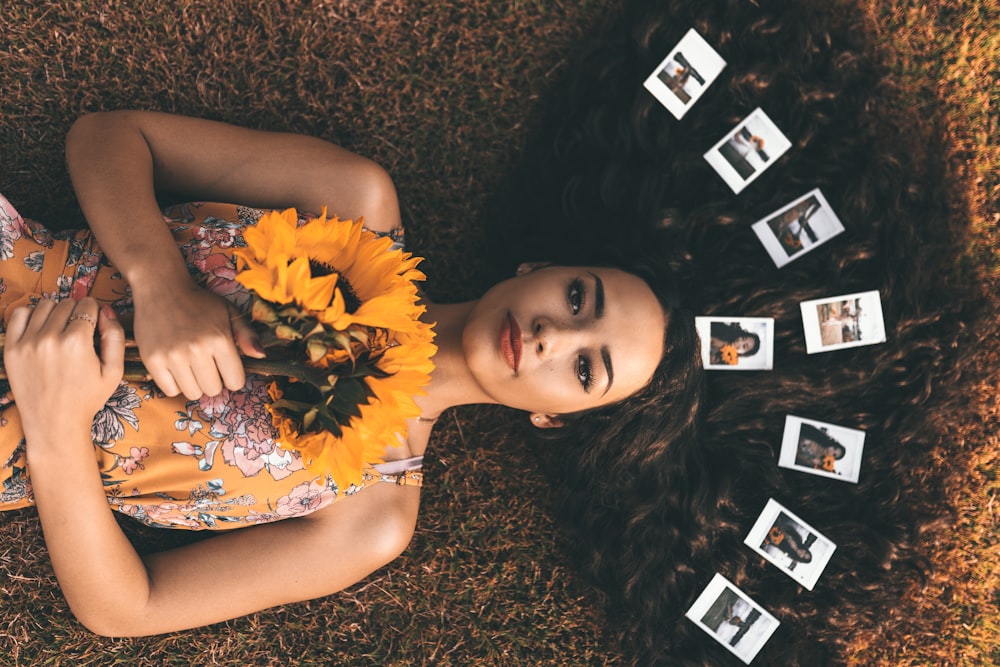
pixel 542 420
pixel 527 267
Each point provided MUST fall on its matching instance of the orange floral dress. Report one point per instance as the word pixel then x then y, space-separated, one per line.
pixel 212 463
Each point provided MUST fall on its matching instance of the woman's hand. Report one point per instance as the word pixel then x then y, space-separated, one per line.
pixel 190 341
pixel 59 380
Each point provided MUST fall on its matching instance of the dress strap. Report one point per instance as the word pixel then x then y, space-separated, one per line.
pixel 405 472
pixel 400 466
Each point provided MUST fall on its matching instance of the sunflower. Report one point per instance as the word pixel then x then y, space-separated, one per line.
pixel 341 312
pixel 729 355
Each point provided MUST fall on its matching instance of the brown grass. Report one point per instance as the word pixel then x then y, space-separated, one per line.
pixel 442 94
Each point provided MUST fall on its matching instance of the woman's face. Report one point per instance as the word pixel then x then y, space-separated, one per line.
pixel 744 344
pixel 561 339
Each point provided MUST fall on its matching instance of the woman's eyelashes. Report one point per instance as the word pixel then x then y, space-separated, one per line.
pixel 583 372
pixel 577 296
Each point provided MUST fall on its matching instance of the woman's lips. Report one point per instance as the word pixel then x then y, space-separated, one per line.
pixel 510 342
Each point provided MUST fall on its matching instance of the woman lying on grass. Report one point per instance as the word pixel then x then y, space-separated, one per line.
pixel 552 341
pixel 664 471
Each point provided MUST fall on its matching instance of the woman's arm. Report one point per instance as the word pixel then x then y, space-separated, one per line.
pixel 54 370
pixel 117 160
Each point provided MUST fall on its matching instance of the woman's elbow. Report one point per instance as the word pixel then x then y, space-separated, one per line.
pixel 376 195
pixel 393 534
pixel 107 625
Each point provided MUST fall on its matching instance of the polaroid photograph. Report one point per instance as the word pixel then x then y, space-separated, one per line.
pixel 736 343
pixel 836 322
pixel 797 228
pixel 822 449
pixel 746 152
pixel 790 544
pixel 731 618
pixel 685 74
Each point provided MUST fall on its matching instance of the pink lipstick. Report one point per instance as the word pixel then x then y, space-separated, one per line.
pixel 510 341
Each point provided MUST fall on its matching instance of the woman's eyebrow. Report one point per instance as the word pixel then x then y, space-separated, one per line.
pixel 606 357
pixel 598 296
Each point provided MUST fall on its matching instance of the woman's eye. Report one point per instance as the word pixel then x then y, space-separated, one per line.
pixel 576 296
pixel 583 372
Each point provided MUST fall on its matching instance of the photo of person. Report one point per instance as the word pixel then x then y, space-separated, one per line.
pixel 736 343
pixel 743 155
pixel 822 449
pixel 797 228
pixel 731 618
pixel 685 74
pixel 851 320
pixel 790 544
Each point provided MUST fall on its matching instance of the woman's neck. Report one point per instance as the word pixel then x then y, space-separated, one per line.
pixel 451 382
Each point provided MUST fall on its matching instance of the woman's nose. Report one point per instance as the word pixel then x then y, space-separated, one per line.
pixel 550 337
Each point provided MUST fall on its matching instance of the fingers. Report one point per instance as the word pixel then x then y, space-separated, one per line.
pixel 191 341
pixel 198 368
pixel 230 368
pixel 81 317
pixel 112 343
pixel 246 338
pixel 49 317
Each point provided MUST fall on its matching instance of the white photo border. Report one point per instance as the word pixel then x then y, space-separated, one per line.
pixel 806 574
pixel 855 449
pixel 709 65
pixel 776 146
pixel 708 596
pixel 772 245
pixel 811 324
pixel 703 323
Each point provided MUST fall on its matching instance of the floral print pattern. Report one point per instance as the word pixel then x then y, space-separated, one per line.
pixel 109 423
pixel 165 461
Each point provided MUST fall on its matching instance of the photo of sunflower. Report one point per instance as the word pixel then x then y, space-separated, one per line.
pixel 338 313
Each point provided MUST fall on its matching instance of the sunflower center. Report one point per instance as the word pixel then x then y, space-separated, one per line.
pixel 318 269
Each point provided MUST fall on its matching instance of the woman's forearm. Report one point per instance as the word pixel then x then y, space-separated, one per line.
pixel 104 580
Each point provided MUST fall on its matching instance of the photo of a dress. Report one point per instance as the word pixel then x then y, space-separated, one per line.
pixel 685 74
pixel 790 544
pixel 732 618
pixel 822 449
pixel 744 154
pixel 795 229
pixel 838 322
pixel 736 343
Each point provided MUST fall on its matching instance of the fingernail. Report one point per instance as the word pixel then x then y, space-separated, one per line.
pixel 109 312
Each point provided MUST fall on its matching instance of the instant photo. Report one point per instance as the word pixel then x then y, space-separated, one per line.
pixel 790 544
pixel 839 322
pixel 797 228
pixel 736 343
pixel 818 448
pixel 685 74
pixel 731 618
pixel 744 154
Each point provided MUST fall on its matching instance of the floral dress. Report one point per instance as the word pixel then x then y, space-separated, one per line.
pixel 212 463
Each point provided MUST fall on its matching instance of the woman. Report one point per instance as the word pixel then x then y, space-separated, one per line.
pixel 743 343
pixel 550 341
pixel 660 500
pixel 818 449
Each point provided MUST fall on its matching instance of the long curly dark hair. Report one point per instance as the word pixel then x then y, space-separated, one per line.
pixel 663 489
